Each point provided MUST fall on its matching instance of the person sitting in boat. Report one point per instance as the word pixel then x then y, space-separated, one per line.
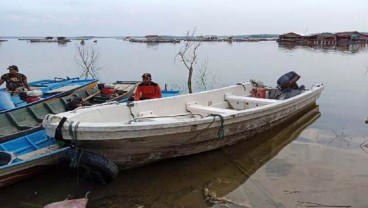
pixel 147 89
pixel 76 102
pixel 15 81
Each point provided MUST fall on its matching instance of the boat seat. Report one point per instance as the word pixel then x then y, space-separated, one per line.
pixel 39 111
pixel 81 94
pixel 41 151
pixel 91 92
pixel 7 128
pixel 55 106
pixel 193 107
pixel 65 100
pixel 259 101
pixel 23 119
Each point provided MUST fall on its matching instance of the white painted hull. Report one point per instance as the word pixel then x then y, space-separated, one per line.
pixel 176 126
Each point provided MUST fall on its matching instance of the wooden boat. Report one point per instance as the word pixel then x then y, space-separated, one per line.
pixel 25 117
pixel 27 155
pixel 146 131
pixel 23 120
pixel 44 90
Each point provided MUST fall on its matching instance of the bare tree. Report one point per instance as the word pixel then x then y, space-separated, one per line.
pixel 205 79
pixel 87 58
pixel 188 55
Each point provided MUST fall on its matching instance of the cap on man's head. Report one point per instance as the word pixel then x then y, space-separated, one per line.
pixel 146 75
pixel 13 67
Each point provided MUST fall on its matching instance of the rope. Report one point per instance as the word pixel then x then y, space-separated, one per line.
pixel 73 132
pixel 242 84
pixel 130 104
pixel 220 131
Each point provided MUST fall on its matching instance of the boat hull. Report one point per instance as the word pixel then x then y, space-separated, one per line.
pixel 133 152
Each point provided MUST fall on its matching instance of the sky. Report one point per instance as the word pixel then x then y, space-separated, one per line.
pixel 177 17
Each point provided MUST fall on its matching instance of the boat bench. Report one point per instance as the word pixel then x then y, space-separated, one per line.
pixel 260 101
pixel 39 111
pixel 7 127
pixel 22 119
pixel 242 102
pixel 55 106
pixel 193 107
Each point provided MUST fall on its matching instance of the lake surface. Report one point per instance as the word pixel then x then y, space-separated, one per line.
pixel 319 160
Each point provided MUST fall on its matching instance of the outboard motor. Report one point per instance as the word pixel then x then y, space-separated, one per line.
pixel 287 86
pixel 288 81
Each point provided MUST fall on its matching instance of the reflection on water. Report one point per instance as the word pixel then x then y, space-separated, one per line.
pixel 344 47
pixel 202 180
pixel 325 162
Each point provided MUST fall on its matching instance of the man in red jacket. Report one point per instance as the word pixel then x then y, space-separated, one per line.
pixel 147 89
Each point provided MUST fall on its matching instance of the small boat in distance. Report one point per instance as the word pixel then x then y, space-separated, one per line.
pixel 142 132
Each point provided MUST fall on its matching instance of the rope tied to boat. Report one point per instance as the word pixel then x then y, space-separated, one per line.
pixel 130 104
pixel 220 131
pixel 73 132
pixel 242 84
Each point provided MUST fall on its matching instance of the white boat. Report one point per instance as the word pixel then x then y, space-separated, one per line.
pixel 133 134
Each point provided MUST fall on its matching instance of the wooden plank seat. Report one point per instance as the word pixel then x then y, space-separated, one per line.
pixel 80 94
pixel 39 111
pixel 193 107
pixel 7 127
pixel 23 118
pixel 92 92
pixel 259 101
pixel 55 106
pixel 66 99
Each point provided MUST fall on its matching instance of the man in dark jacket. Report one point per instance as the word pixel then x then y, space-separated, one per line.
pixel 15 81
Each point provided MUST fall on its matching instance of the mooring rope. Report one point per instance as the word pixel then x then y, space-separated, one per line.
pixel 220 131
pixel 73 132
pixel 242 84
pixel 130 104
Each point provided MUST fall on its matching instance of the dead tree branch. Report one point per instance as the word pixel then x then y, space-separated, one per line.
pixel 87 58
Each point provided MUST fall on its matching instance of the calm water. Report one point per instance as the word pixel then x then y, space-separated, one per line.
pixel 319 160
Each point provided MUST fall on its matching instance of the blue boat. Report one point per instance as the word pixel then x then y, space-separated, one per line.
pixel 27 155
pixel 42 91
pixel 19 117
